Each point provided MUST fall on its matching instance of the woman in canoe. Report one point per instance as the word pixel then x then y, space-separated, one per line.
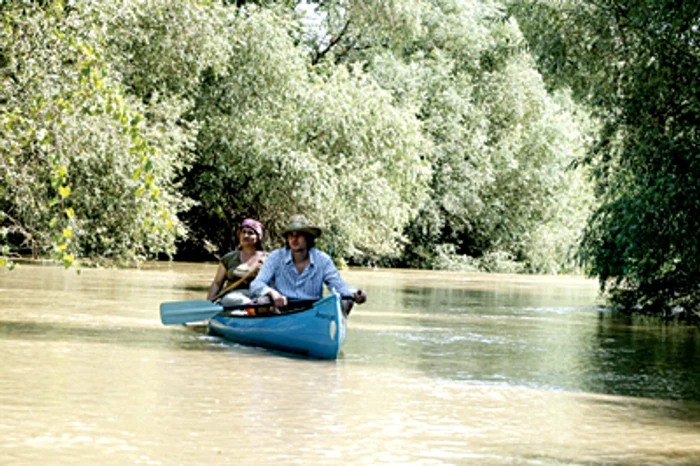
pixel 238 268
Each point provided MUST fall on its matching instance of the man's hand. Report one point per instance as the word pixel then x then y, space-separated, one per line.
pixel 278 299
pixel 359 297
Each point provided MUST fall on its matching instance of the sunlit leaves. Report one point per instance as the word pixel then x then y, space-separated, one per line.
pixel 74 140
pixel 378 156
pixel 500 143
pixel 415 111
pixel 277 138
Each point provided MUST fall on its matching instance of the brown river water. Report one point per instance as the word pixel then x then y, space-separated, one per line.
pixel 438 369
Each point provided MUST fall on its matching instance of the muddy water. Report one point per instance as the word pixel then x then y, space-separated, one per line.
pixel 438 368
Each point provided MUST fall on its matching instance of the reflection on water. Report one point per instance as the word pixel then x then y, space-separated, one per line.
pixel 439 368
pixel 643 357
pixel 539 338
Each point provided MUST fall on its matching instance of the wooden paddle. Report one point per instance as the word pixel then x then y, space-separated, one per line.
pixel 182 312
pixel 235 284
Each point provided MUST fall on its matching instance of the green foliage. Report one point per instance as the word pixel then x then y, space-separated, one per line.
pixel 447 258
pixel 502 183
pixel 276 138
pixel 130 126
pixel 637 66
pixel 83 174
pixel 161 49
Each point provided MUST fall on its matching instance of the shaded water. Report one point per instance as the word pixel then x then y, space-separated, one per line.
pixel 438 368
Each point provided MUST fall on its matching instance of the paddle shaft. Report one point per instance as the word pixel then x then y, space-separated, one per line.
pixel 291 302
pixel 235 284
pixel 299 302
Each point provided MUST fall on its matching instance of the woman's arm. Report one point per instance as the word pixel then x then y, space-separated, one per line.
pixel 217 283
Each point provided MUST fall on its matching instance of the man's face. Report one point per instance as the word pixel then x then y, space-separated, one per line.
pixel 296 241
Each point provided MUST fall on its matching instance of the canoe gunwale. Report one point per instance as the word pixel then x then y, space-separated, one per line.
pixel 230 315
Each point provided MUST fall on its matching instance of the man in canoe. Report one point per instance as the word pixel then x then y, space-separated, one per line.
pixel 299 270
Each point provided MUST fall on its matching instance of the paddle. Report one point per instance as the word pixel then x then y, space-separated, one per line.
pixel 181 312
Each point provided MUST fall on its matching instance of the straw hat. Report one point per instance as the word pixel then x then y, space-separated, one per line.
pixel 301 223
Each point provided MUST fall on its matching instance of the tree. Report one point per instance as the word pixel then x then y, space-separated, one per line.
pixel 121 115
pixel 637 66
pixel 279 137
pixel 419 122
pixel 503 145
pixel 87 169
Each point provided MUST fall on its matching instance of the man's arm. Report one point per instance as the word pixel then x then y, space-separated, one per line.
pixel 332 278
pixel 260 286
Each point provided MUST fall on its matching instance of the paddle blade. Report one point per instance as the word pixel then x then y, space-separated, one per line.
pixel 181 312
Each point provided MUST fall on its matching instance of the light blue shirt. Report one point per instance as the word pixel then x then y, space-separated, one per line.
pixel 279 267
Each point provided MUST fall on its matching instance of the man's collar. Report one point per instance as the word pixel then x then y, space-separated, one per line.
pixel 289 258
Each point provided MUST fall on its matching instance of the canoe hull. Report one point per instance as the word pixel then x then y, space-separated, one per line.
pixel 318 332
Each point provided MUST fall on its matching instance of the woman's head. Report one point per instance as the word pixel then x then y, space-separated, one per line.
pixel 249 231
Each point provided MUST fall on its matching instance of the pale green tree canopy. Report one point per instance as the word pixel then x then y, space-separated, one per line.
pixel 503 145
pixel 414 132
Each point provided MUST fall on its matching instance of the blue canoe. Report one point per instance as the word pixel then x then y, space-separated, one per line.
pixel 318 332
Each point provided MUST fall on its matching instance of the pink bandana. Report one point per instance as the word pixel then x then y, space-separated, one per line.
pixel 255 225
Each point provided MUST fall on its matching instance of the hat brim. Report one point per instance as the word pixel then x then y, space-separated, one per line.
pixel 316 232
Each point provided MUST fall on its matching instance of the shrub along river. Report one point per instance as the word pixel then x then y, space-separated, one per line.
pixel 438 368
